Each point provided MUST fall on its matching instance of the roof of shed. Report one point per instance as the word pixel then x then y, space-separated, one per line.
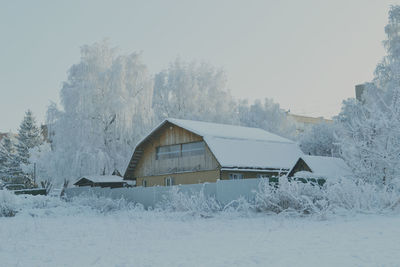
pixel 102 179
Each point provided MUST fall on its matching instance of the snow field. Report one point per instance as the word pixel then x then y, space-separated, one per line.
pixel 90 231
pixel 150 238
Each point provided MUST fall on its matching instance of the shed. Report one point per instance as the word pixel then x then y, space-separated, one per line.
pixel 112 181
pixel 323 167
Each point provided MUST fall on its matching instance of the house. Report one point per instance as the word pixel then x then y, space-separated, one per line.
pixel 191 152
pixel 320 167
pixel 112 181
pixel 303 123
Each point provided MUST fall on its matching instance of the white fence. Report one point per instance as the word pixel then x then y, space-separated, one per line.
pixel 224 191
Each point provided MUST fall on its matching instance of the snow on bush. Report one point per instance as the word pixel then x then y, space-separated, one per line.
pixel 196 203
pixel 289 197
pixel 103 204
pixel 341 195
pixel 8 204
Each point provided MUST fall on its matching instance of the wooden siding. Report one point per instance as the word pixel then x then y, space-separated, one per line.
pixel 171 134
pixel 181 178
pixel 299 166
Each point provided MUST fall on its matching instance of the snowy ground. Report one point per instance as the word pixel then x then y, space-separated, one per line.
pixel 71 235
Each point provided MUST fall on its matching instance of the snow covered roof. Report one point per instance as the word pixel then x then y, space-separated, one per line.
pixel 102 178
pixel 244 147
pixel 248 153
pixel 227 131
pixel 240 147
pixel 327 166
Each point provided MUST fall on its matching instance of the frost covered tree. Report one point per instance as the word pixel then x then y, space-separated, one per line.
pixel 29 136
pixel 320 140
pixel 369 134
pixel 266 115
pixel 106 107
pixel 10 170
pixel 193 91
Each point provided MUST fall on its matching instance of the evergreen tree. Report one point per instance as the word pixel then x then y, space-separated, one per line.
pixel 28 137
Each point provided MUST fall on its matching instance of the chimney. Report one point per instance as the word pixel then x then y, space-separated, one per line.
pixel 359 91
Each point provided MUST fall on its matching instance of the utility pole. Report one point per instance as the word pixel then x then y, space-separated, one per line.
pixel 34 174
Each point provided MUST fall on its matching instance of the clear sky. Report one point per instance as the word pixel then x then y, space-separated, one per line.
pixel 306 55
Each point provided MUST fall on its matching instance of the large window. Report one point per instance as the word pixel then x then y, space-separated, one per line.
pixel 181 150
pixel 168 152
pixel 192 149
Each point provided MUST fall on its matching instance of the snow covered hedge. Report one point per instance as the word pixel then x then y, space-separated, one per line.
pixel 286 197
pixel 341 195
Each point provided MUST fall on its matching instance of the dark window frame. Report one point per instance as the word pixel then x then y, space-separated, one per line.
pixel 185 150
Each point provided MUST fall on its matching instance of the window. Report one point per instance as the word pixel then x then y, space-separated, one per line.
pixel 144 183
pixel 168 181
pixel 235 176
pixel 192 149
pixel 181 150
pixel 263 175
pixel 168 152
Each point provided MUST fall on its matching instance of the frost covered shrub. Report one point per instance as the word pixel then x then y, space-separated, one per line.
pixel 8 204
pixel 341 195
pixel 193 202
pixel 103 204
pixel 289 197
pixel 361 196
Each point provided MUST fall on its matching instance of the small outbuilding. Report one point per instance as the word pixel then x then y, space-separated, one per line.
pixel 112 181
pixel 321 167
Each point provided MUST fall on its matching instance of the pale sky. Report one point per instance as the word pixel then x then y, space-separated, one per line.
pixel 306 55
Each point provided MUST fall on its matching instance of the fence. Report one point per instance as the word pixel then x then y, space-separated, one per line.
pixel 224 191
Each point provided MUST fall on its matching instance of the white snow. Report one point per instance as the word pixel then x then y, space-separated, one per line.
pixel 227 131
pixel 242 153
pixel 72 236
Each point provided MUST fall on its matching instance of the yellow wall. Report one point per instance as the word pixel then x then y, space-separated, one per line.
pixel 181 178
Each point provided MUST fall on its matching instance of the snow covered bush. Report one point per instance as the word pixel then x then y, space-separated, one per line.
pixel 196 203
pixel 103 204
pixel 8 205
pixel 289 196
pixel 338 196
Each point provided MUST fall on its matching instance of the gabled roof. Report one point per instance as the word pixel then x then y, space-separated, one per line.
pixel 327 166
pixel 236 146
pixel 102 179
pixel 227 131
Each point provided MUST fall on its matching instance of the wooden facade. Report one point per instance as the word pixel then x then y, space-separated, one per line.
pixel 149 165
pixel 300 165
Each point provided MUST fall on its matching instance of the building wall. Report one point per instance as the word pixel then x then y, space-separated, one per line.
pixel 197 177
pixel 170 134
pixel 248 175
